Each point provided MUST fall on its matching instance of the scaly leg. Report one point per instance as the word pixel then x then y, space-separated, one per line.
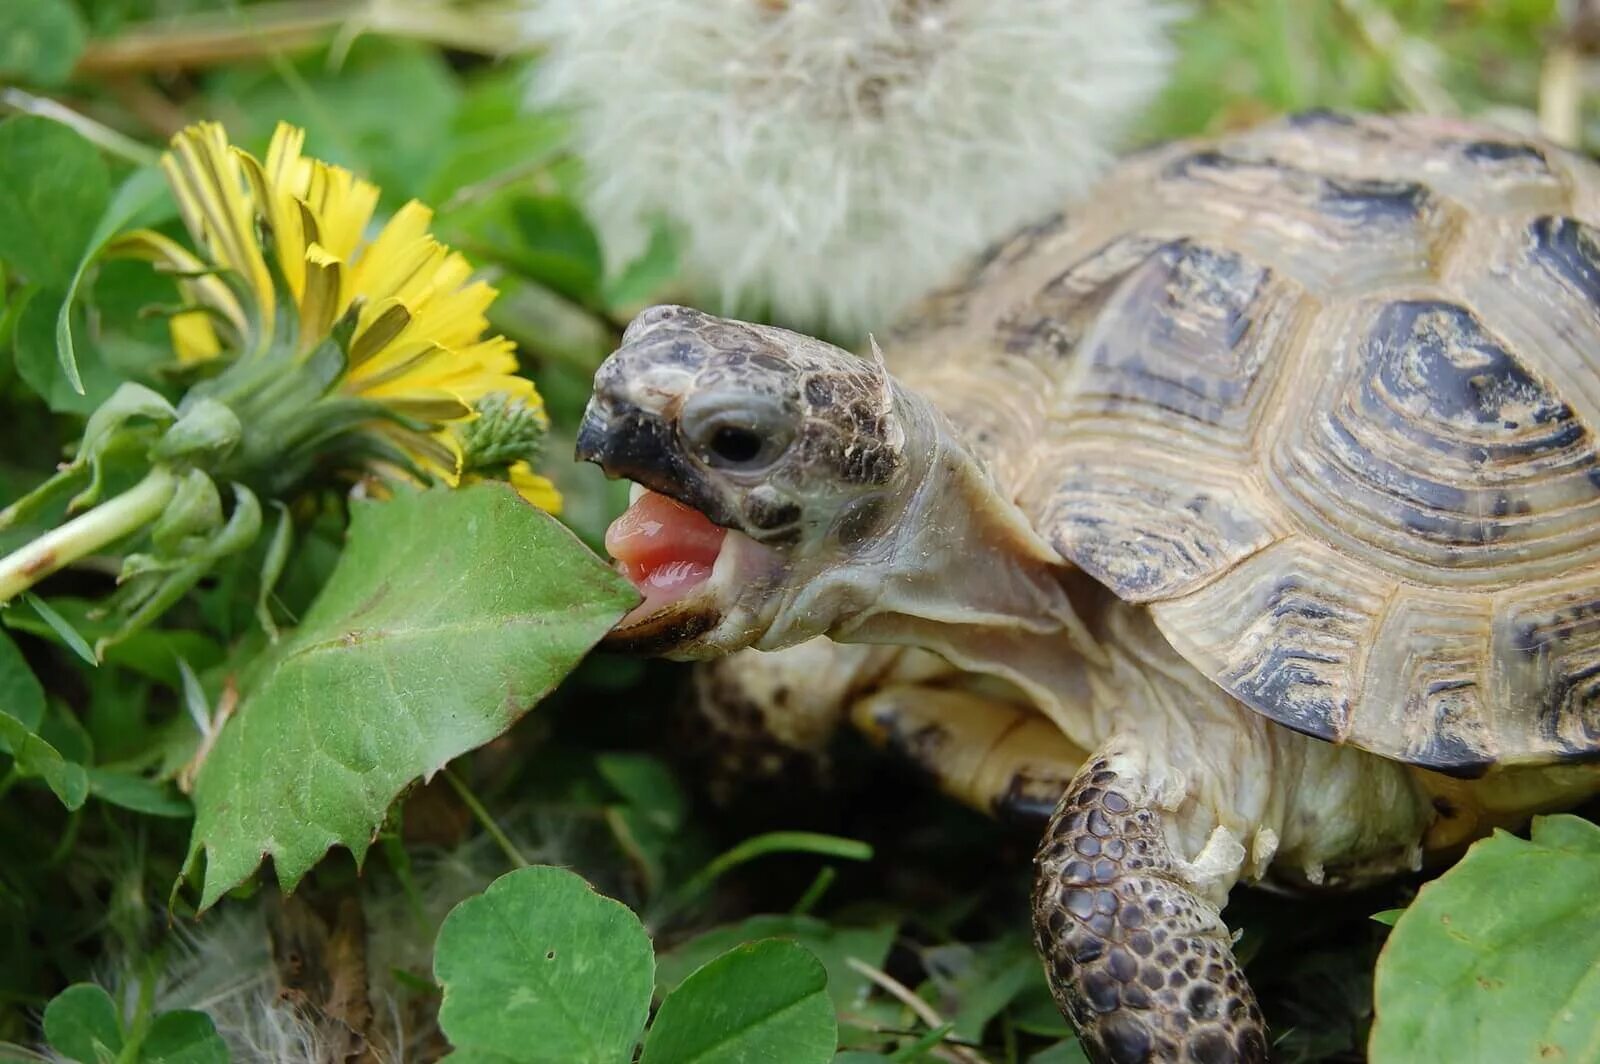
pixel 1137 956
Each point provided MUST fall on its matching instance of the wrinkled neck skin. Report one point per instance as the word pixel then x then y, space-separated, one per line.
pixel 959 570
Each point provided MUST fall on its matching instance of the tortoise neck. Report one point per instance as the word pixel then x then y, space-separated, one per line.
pixel 966 575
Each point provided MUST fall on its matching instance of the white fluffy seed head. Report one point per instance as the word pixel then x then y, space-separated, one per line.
pixel 830 160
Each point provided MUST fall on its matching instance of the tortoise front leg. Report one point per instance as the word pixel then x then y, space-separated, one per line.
pixel 1137 957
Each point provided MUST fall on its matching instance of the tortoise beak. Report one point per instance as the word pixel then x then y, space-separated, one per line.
pixel 625 443
pixel 635 444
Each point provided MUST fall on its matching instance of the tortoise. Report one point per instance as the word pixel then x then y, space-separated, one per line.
pixel 1243 522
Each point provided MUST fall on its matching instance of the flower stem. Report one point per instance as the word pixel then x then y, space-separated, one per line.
pixel 488 822
pixel 104 524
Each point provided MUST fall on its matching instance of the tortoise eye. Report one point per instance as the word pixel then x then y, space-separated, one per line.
pixel 739 434
pixel 734 445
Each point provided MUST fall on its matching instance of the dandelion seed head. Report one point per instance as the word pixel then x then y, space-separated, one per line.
pixel 833 159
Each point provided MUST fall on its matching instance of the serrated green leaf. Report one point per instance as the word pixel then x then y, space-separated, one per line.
pixel 39 41
pixel 450 613
pixel 1499 958
pixel 53 186
pixel 35 757
pixel 81 1024
pixel 183 1037
pixel 833 946
pixel 761 1002
pixel 21 694
pixel 540 968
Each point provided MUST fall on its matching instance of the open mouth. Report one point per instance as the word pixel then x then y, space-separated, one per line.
pixel 666 549
pixel 700 582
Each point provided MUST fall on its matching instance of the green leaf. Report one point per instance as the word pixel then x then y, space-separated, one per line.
pixel 556 245
pixel 153 652
pixel 21 694
pixel 765 1001
pixel 183 1037
pixel 450 613
pixel 60 626
pixel 138 794
pixel 39 41
pixel 53 186
pixel 541 968
pixel 639 280
pixel 1069 1051
pixel 35 757
pixel 646 826
pixel 984 979
pixel 81 1023
pixel 1499 958
pixel 764 845
pixel 142 199
pixel 39 365
pixel 833 946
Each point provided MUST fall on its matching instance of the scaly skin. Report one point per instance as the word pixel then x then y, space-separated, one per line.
pixel 1137 959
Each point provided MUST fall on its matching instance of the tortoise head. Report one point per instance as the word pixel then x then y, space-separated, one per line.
pixel 771 464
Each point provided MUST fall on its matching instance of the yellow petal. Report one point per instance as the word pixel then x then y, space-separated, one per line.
pixel 193 338
pixel 209 185
pixel 319 305
pixel 196 286
pixel 535 488
pixel 343 204
pixel 408 227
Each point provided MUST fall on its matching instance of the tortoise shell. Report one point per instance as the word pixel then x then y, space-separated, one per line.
pixel 1324 396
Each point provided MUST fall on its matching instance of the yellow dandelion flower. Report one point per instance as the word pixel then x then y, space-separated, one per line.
pixel 286 265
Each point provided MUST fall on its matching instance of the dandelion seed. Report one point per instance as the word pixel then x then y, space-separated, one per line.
pixel 833 159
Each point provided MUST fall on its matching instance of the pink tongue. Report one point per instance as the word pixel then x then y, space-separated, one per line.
pixel 665 548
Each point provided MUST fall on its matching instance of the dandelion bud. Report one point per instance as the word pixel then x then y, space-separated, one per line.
pixel 507 429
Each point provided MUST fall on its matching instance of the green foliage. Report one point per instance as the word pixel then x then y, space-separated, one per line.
pixel 39 41
pixel 81 1023
pixel 1496 959
pixel 539 968
pixel 389 677
pixel 21 694
pixel 53 188
pixel 141 200
pixel 763 1001
pixel 32 756
pixel 834 945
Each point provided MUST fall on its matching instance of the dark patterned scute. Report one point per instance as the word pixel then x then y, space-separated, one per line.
pixel 1436 447
pixel 1324 395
